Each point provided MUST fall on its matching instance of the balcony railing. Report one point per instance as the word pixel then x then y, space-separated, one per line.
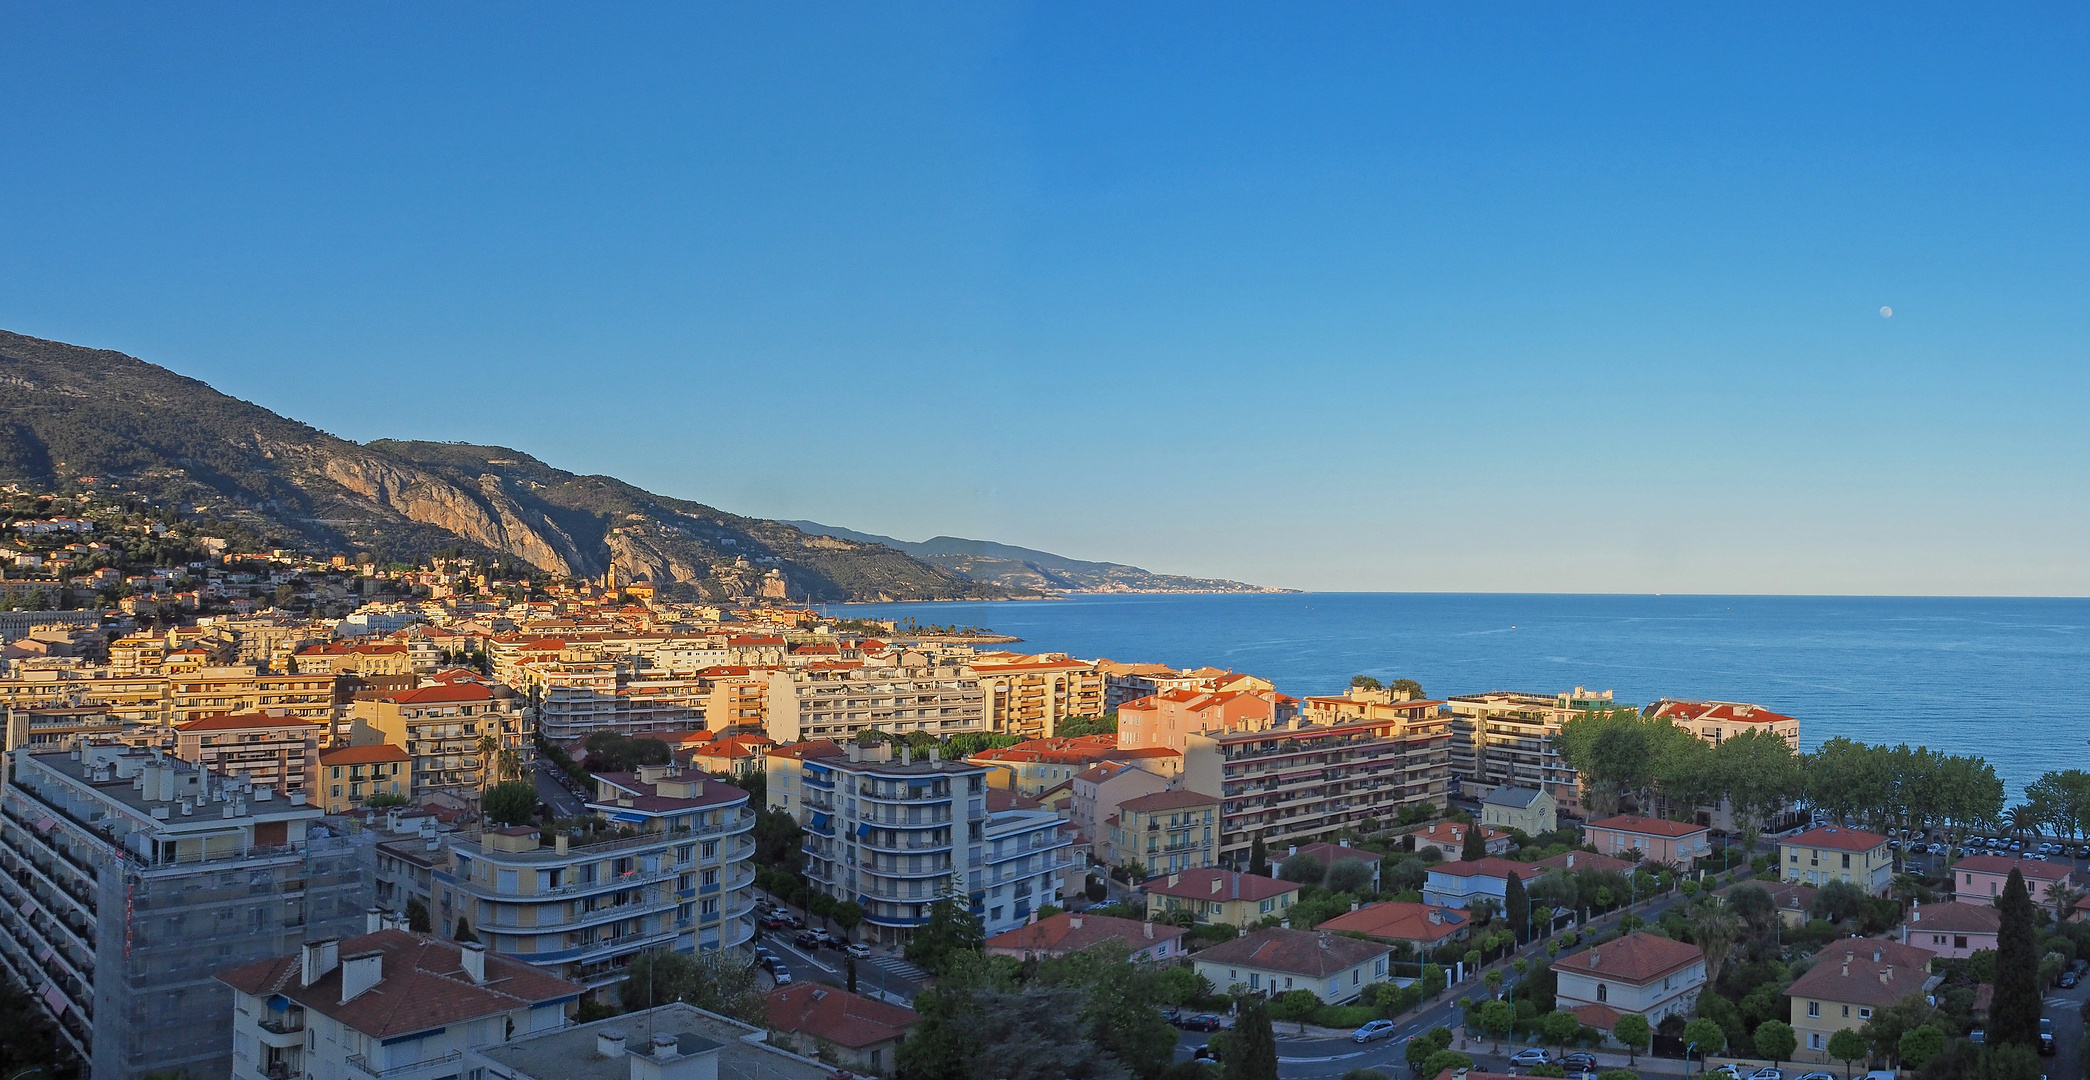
pixel 362 1065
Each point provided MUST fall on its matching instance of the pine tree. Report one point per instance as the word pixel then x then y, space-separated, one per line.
pixel 1476 845
pixel 1516 907
pixel 2014 1017
pixel 1253 1055
pixel 1259 858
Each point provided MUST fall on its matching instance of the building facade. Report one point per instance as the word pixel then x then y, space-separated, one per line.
pixel 272 749
pixel 441 728
pixel 1031 696
pixel 837 701
pixel 1833 853
pixel 130 877
pixel 1166 832
pixel 1639 973
pixel 1295 784
pixel 675 875
pixel 1506 737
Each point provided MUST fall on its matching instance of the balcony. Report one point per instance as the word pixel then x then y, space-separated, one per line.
pixel 360 1065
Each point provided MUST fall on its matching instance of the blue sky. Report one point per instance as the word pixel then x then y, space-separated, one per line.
pixel 1335 297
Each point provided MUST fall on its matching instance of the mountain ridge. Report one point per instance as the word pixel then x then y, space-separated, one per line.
pixel 1022 568
pixel 72 415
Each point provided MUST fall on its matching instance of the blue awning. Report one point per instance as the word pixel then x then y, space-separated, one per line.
pixel 820 821
pixel 863 830
pixel 635 819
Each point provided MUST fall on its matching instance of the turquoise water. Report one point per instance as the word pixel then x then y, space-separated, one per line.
pixel 2003 678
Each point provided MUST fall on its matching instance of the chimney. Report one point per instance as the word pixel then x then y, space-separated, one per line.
pixel 1571 860
pixel 472 955
pixel 935 755
pixel 1216 883
pixel 373 920
pixel 559 844
pixel 609 1043
pixel 1878 954
pixel 318 957
pixel 1073 922
pixel 1291 850
pixel 1594 958
pixel 1324 941
pixel 854 753
pixel 1887 976
pixel 1846 966
pixel 664 1046
pixel 361 972
pixel 1150 929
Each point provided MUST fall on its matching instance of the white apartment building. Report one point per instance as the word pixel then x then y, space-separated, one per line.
pixel 386 1004
pixel 836 701
pixel 128 877
pixel 1507 737
pixel 677 876
pixel 894 833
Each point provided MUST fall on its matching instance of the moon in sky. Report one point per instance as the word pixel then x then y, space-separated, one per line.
pixel 1886 313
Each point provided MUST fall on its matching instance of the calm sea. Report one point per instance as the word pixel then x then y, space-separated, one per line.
pixel 2003 678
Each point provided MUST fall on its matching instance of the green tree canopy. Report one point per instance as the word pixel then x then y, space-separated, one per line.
pixel 1633 1031
pixel 1253 1053
pixel 1707 1036
pixel 1846 1045
pixel 2013 1018
pixel 1775 1039
pixel 512 802
pixel 1303 870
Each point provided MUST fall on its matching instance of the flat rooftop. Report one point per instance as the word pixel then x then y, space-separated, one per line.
pixel 569 1054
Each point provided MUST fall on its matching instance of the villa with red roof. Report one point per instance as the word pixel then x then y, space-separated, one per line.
pixel 1656 839
pixel 1220 896
pixel 1979 879
pixel 1420 926
pixel 1834 853
pixel 1457 884
pixel 1642 973
pixel 832 1024
pixel 1449 838
pixel 1071 932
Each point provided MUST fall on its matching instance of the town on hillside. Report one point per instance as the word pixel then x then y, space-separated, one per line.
pixel 279 814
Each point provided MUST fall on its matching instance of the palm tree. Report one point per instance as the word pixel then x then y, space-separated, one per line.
pixel 1714 927
pixel 488 747
pixel 2024 820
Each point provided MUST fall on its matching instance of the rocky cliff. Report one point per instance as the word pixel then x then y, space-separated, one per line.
pixel 71 416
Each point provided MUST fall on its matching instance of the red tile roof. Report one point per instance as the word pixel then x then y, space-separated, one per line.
pixel 1584 860
pixel 1397 920
pixel 1864 971
pixel 1167 800
pixel 836 1016
pixel 1638 958
pixel 442 694
pixel 1233 885
pixel 362 755
pixel 2002 865
pixel 1069 932
pixel 1837 838
pixel 240 721
pixel 1646 826
pixel 1956 919
pixel 423 985
pixel 1488 867
pixel 1297 952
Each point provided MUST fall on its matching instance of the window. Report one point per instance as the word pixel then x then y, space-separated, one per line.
pixel 1815 1041
pixel 710 877
pixel 1814 1008
pixel 710 850
pixel 1846 1010
pixel 1268 905
pixel 1959 941
pixel 1864 1013
pixel 1603 992
pixel 1846 862
pixel 710 907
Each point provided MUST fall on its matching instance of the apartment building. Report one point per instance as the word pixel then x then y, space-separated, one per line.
pixel 836 701
pixel 131 699
pixel 1170 718
pixel 387 1003
pixel 1505 737
pixel 1031 696
pixel 350 775
pixel 676 875
pixel 895 832
pixel 346 658
pixel 1096 793
pixel 1656 839
pixel 271 749
pixel 212 690
pixel 785 769
pixel 1714 721
pixel 128 877
pixel 1294 784
pixel 44 731
pixel 440 728
pixel 1130 682
pixel 578 697
pixel 1166 831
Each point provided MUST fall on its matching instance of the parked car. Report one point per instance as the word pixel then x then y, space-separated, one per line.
pixel 1199 1022
pixel 807 940
pixel 1578 1062
pixel 857 949
pixel 2068 980
pixel 782 976
pixel 2046 1036
pixel 1537 1055
pixel 1377 1029
pixel 1204 1053
pixel 1768 1072
pixel 1817 1076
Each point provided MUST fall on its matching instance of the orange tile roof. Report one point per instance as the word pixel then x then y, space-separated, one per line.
pixel 1072 932
pixel 1647 826
pixel 1233 885
pixel 1638 958
pixel 836 1016
pixel 442 693
pixel 1398 920
pixel 238 721
pixel 362 755
pixel 1838 839
pixel 422 986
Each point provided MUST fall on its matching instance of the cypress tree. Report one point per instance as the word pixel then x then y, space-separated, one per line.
pixel 2013 1020
pixel 1475 846
pixel 1516 907
pixel 1253 1055
pixel 1258 858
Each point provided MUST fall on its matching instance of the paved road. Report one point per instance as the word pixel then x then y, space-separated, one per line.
pixel 552 792
pixel 882 973
pixel 2065 1008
